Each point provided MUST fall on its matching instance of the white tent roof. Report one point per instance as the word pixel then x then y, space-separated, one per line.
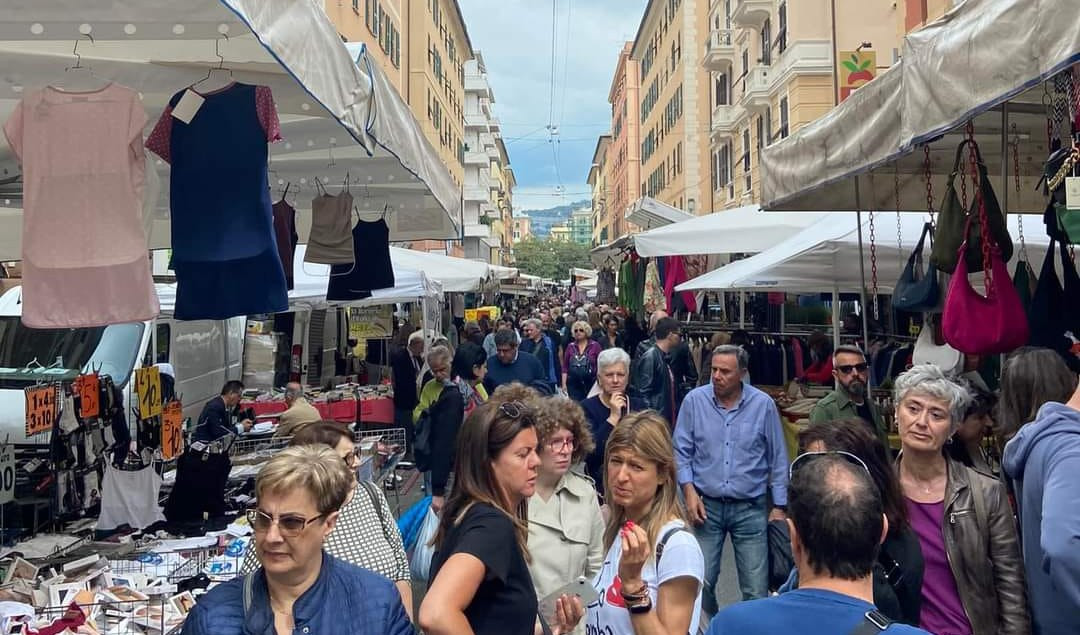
pixel 740 230
pixel 455 274
pixel 967 64
pixel 328 106
pixel 503 273
pixel 648 213
pixel 826 255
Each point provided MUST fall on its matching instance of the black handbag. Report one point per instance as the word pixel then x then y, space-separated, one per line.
pixel 781 561
pixel 953 220
pixel 915 291
pixel 1055 309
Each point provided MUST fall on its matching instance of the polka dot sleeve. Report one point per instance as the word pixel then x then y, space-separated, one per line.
pixel 268 117
pixel 160 137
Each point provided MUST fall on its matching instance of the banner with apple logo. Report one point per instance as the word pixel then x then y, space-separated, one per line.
pixel 856 69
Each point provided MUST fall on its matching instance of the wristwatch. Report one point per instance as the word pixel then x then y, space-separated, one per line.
pixel 642 606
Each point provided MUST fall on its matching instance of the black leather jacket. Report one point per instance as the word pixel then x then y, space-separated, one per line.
pixel 653 382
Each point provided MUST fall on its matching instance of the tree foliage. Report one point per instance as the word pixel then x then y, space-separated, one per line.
pixel 550 258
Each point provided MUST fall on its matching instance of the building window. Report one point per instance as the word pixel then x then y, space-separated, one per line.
pixel 356 6
pixel 768 125
pixel 781 35
pixel 746 162
pixel 760 135
pixel 723 90
pixel 783 117
pixel 766 43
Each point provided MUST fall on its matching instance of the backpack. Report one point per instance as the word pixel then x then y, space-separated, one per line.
pixel 580 370
pixel 422 441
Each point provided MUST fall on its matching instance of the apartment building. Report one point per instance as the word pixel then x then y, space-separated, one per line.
pixel 522 228
pixel 581 226
pixel 624 181
pixel 776 65
pixel 504 227
pixel 598 172
pixel 916 13
pixel 674 104
pixel 380 25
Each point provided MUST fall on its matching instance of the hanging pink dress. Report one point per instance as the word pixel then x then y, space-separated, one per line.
pixel 85 260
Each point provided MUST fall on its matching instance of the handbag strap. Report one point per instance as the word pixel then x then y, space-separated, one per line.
pixel 873 622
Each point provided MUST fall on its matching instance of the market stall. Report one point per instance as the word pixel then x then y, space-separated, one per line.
pixel 741 230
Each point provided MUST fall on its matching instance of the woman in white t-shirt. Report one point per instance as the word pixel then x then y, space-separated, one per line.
pixel 650 581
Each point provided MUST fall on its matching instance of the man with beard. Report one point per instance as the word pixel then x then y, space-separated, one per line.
pixel 851 399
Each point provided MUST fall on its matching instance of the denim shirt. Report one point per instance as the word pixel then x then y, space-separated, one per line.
pixel 345 600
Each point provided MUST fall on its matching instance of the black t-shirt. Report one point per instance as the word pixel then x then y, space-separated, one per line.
pixel 505 603
pixel 863 410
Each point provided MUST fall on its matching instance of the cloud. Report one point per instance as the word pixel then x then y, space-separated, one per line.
pixel 514 37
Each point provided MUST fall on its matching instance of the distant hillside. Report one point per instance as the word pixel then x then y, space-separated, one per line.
pixel 543 219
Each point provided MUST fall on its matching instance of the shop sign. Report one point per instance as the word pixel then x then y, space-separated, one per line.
pixel 856 68
pixel 41 407
pixel 172 431
pixel 148 389
pixel 371 322
pixel 7 473
pixel 88 390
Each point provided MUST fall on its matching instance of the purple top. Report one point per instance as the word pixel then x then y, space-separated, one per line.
pixel 942 611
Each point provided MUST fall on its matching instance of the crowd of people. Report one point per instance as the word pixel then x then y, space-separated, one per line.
pixel 585 484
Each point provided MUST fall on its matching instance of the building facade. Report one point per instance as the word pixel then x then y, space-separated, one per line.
pixel 624 165
pixel 581 226
pixel 776 65
pixel 597 180
pixel 560 232
pixel 674 104
pixel 380 24
pixel 522 228
pixel 485 189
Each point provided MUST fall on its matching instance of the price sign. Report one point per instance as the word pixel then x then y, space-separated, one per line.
pixel 172 435
pixel 7 473
pixel 148 387
pixel 40 408
pixel 88 390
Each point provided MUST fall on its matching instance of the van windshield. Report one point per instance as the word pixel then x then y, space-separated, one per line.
pixel 109 349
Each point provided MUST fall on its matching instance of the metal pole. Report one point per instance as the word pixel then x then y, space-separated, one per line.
pixel 862 267
pixel 742 309
pixel 1004 158
pixel 836 315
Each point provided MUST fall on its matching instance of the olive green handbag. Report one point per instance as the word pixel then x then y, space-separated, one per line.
pixel 949 233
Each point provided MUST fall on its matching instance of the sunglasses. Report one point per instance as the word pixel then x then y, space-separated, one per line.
pixel 847 368
pixel 807 457
pixel 289 525
pixel 512 409
pixel 579 330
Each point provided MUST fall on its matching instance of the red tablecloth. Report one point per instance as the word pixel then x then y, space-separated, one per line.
pixel 341 411
pixel 377 410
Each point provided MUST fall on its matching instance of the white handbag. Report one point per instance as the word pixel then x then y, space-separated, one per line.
pixel 927 351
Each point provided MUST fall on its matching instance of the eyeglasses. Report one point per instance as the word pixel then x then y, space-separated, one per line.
pixel 352 458
pixel 806 457
pixel 558 445
pixel 579 330
pixel 512 409
pixel 847 368
pixel 289 526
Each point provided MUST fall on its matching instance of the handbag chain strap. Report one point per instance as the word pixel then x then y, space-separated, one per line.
pixel 929 186
pixel 976 181
pixel 873 267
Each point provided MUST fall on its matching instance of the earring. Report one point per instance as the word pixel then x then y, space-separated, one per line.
pixel 948 441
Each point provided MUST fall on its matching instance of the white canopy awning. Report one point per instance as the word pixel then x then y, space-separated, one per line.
pixel 825 256
pixel 649 213
pixel 455 274
pixel 338 119
pixel 503 273
pixel 966 65
pixel 740 230
pixel 602 253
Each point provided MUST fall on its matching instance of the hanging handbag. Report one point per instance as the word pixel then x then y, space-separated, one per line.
pixel 983 324
pixel 1022 276
pixel 930 348
pixel 952 221
pixel 915 291
pixel 1055 309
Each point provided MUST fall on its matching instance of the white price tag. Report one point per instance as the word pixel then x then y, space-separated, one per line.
pixel 1072 192
pixel 7 474
pixel 186 109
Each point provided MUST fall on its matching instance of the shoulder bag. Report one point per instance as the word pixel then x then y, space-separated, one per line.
pixel 951 232
pixel 916 291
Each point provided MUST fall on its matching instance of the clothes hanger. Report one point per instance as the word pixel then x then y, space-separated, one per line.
pixel 219 68
pixel 80 77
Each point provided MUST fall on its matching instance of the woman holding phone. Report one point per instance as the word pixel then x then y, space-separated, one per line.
pixel 604 411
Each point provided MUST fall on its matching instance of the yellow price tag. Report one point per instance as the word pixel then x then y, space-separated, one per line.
pixel 172 434
pixel 148 388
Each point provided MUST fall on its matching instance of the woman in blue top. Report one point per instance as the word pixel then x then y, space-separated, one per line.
pixel 605 410
pixel 299 588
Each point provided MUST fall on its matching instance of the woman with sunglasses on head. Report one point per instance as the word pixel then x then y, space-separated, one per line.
pixel 651 578
pixel 566 530
pixel 612 336
pixel 899 572
pixel 480 581
pixel 579 361
pixel 367 534
pixel 300 588
pixel 973 578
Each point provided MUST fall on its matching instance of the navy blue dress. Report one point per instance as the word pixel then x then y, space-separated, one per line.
pixel 224 249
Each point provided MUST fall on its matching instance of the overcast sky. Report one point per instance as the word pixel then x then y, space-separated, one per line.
pixel 515 39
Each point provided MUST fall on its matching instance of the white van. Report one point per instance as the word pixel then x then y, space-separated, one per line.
pixel 204 353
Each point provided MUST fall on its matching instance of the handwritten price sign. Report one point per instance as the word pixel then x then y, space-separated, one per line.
pixel 7 473
pixel 88 390
pixel 148 387
pixel 172 435
pixel 41 408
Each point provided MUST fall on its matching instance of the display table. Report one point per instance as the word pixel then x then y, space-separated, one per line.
pixel 343 411
pixel 376 410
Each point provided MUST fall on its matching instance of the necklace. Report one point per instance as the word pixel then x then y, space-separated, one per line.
pixel 925 486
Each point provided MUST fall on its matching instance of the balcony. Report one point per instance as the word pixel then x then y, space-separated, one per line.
pixel 756 85
pixel 473 157
pixel 751 13
pixel 477 193
pixel 476 120
pixel 720 50
pixel 477 84
pixel 725 121
pixel 478 230
pixel 489 210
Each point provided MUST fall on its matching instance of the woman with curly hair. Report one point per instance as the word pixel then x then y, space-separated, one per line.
pixel 566 530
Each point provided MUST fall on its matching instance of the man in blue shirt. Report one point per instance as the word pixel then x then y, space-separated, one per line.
pixel 837 522
pixel 508 365
pixel 729 453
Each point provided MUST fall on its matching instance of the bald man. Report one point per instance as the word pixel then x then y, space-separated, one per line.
pixel 299 414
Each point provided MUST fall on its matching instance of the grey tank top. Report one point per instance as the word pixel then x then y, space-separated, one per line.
pixel 331 240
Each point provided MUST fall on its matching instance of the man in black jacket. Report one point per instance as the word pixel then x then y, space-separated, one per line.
pixel 686 376
pixel 405 365
pixel 652 377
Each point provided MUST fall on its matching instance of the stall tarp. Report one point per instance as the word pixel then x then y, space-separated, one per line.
pixel 648 213
pixel 503 273
pixel 825 256
pixel 741 230
pixel 963 66
pixel 455 274
pixel 338 120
